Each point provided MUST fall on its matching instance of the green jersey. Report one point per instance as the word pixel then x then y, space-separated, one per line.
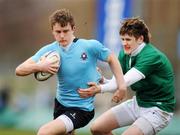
pixel 157 88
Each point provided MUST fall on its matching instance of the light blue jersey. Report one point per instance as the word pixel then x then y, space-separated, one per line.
pixel 78 67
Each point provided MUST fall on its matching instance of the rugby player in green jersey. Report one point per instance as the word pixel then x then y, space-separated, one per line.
pixel 150 74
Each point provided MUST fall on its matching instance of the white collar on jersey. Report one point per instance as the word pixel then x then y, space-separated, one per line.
pixel 67 47
pixel 138 49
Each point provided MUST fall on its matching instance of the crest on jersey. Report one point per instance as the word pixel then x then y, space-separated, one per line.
pixel 84 56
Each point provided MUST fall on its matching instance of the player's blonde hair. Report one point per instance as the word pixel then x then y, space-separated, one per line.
pixel 62 17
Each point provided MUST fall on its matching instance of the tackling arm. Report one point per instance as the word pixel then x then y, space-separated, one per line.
pixel 131 77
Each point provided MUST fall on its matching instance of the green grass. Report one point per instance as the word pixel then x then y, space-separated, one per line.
pixel 10 131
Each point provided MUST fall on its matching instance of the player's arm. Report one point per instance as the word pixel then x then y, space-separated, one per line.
pixel 30 66
pixel 117 72
pixel 131 77
pixel 27 67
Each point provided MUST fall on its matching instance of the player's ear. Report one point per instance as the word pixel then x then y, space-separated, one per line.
pixel 140 39
pixel 73 28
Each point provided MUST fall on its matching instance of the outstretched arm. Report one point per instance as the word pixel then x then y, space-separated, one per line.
pixel 131 77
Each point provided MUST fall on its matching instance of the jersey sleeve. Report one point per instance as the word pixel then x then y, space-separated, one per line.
pixel 148 63
pixel 100 50
pixel 42 51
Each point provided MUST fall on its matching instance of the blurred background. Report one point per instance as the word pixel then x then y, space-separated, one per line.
pixel 26 104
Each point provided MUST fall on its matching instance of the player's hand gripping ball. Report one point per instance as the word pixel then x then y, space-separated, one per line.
pixel 51 56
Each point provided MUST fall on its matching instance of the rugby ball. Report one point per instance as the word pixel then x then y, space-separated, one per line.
pixel 51 56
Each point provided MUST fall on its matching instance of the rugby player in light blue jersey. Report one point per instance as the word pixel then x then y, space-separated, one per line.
pixel 78 67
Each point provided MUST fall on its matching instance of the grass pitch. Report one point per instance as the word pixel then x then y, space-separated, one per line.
pixel 10 131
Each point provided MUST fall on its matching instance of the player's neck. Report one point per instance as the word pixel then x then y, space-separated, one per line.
pixel 66 48
pixel 138 49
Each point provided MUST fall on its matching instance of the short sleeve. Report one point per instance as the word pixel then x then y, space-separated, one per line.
pixel 43 50
pixel 148 63
pixel 100 50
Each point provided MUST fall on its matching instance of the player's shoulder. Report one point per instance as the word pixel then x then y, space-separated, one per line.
pixel 153 51
pixel 91 41
pixel 52 44
pixel 46 48
pixel 150 48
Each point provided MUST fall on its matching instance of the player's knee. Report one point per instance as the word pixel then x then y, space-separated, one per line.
pixel 95 130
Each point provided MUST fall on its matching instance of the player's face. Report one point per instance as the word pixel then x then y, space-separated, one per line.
pixel 130 43
pixel 64 35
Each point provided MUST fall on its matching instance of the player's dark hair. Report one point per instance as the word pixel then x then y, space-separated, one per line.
pixel 135 27
pixel 63 17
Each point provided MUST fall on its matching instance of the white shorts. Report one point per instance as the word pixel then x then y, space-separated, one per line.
pixel 149 120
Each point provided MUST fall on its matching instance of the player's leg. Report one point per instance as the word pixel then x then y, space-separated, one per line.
pixel 133 130
pixel 104 124
pixel 62 125
pixel 116 117
pixel 72 118
pixel 157 118
pixel 140 127
pixel 151 121
pixel 54 127
pixel 79 118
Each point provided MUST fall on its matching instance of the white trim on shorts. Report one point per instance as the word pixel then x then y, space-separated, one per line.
pixel 67 122
pixel 129 112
